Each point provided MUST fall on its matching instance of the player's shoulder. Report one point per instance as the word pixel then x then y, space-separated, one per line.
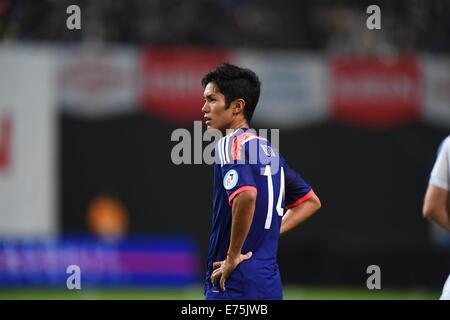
pixel 224 148
pixel 250 145
pixel 446 141
pixel 445 145
pixel 242 144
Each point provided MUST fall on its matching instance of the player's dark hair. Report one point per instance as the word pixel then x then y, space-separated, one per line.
pixel 234 83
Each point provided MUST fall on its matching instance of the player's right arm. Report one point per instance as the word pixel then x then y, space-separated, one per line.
pixel 300 200
pixel 436 202
pixel 435 206
pixel 300 213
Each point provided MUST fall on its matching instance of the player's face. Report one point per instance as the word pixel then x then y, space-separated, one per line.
pixel 216 116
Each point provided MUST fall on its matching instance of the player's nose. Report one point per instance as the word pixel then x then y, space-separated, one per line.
pixel 205 107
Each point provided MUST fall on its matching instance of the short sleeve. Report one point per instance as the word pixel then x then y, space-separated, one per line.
pixel 439 174
pixel 236 179
pixel 236 172
pixel 297 190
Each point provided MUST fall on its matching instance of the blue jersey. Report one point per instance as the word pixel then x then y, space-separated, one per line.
pixel 245 161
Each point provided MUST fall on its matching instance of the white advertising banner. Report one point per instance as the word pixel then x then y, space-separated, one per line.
pixel 436 72
pixel 97 81
pixel 27 141
pixel 293 90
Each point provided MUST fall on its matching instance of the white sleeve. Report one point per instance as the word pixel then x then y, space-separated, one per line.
pixel 439 175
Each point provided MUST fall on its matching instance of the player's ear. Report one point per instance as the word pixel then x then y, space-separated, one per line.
pixel 238 106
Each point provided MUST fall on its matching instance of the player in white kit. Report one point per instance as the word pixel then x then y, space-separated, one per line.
pixel 435 205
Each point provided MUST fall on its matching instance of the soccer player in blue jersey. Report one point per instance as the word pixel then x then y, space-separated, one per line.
pixel 257 195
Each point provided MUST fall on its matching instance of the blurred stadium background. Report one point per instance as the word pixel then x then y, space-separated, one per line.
pixel 86 118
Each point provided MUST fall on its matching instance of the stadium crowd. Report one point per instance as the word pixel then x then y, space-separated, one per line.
pixel 332 26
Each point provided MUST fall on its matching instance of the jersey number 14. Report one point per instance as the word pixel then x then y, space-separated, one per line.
pixel 270 195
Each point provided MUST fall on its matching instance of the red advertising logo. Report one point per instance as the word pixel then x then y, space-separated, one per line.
pixel 170 79
pixel 375 92
pixel 5 142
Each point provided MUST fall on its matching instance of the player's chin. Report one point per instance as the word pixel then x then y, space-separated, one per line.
pixel 210 125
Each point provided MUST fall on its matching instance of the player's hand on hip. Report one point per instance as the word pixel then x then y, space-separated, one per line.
pixel 223 269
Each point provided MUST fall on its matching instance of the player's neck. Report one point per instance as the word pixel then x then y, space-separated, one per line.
pixel 237 125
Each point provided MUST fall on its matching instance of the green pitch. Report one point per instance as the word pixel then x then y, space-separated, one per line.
pixel 290 293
